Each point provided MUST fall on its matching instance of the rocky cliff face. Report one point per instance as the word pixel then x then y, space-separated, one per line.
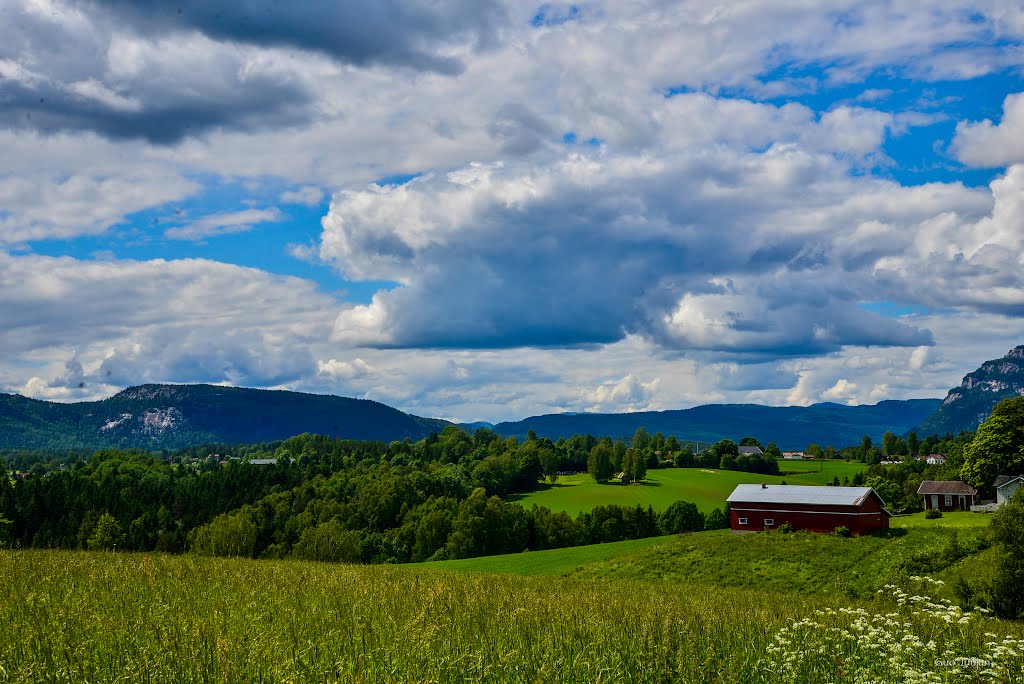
pixel 969 404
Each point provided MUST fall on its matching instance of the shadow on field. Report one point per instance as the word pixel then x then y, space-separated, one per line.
pixel 890 533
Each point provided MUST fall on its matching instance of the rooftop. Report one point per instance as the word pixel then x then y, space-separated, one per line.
pixel 1005 480
pixel 800 494
pixel 945 487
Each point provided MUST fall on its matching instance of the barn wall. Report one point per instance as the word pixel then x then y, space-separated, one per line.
pixel 804 517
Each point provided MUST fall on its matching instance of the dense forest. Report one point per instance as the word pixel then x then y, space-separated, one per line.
pixel 326 499
pixel 443 496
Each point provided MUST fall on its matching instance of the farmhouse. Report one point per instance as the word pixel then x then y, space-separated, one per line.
pixel 1006 486
pixel 947 495
pixel 753 508
pixel 935 459
pixel 752 450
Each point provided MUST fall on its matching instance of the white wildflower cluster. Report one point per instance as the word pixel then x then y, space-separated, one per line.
pixel 942 609
pixel 926 641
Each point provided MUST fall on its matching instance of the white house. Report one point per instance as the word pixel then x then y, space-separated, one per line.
pixel 1006 486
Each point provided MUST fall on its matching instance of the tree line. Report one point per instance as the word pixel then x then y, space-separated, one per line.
pixel 324 499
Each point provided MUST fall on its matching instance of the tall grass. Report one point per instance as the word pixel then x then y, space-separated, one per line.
pixel 101 617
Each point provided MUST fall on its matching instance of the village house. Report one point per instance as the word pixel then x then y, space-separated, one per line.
pixel 1006 486
pixel 935 459
pixel 947 495
pixel 752 450
pixel 753 508
pixel 792 455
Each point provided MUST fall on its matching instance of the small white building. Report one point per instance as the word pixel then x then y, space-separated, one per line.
pixel 935 459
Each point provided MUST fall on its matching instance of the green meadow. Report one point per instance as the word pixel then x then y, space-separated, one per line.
pixel 707 489
pixel 705 607
pixel 802 562
pixel 548 562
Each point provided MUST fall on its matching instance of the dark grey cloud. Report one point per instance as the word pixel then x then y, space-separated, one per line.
pixel 395 32
pixel 162 118
pixel 584 251
pixel 163 71
pixel 76 70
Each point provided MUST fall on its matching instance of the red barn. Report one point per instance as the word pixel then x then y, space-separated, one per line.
pixel 753 508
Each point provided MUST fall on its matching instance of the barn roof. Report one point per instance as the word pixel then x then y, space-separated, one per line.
pixel 800 494
pixel 945 487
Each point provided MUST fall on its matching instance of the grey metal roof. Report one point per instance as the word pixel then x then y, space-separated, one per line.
pixel 800 494
pixel 750 450
pixel 1004 480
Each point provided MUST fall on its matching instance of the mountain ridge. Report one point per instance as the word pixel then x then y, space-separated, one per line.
pixel 792 427
pixel 162 416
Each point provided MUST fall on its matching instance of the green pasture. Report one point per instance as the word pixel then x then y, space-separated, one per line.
pixel 707 489
pixel 548 562
pixel 954 519
pixel 803 562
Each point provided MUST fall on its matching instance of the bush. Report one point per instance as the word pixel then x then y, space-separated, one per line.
pixel 842 531
pixel 786 528
pixel 932 513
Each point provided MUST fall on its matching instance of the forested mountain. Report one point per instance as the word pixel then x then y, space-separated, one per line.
pixel 791 427
pixel 177 416
pixel 971 402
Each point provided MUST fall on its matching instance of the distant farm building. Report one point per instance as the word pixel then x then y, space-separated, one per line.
pixel 792 455
pixel 935 459
pixel 262 461
pixel 752 450
pixel 1006 486
pixel 947 495
pixel 753 508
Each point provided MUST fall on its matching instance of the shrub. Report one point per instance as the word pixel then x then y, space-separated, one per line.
pixel 842 531
pixel 786 528
pixel 933 513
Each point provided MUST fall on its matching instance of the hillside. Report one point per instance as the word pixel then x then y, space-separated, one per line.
pixel 967 405
pixel 791 427
pixel 706 488
pixel 177 416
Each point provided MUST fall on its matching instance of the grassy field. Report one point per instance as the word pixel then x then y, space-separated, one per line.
pixel 707 489
pixel 805 563
pixel 103 617
pixel 549 562
pixel 957 519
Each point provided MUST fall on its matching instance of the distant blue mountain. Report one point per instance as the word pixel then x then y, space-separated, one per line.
pixel 791 427
pixel 177 416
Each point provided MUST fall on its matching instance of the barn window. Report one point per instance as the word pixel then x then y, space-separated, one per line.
pixel 768 522
pixel 743 521
pixel 949 500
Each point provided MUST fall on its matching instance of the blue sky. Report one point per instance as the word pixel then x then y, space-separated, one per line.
pixel 487 210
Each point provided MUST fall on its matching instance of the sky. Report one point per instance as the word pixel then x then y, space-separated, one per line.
pixel 487 209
